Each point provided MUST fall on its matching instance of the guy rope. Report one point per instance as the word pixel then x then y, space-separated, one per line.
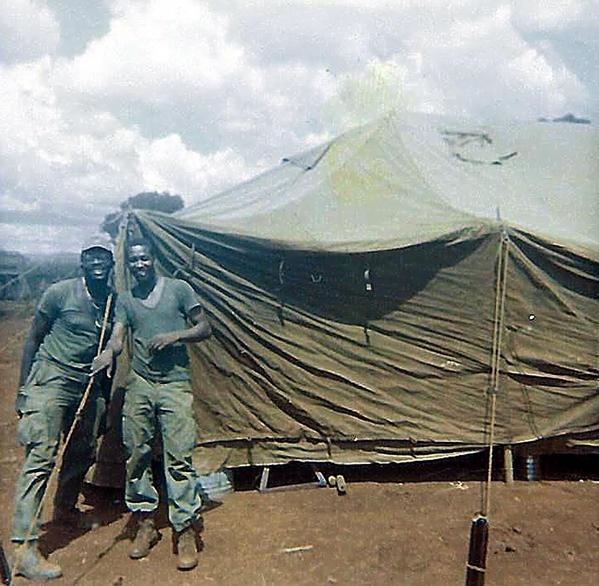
pixel 479 532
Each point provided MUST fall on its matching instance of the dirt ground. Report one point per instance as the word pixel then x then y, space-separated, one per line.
pixel 396 525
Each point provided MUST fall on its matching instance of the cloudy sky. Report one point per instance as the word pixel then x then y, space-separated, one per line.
pixel 102 100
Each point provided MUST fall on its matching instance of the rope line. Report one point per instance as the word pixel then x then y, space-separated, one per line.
pixel 500 296
pixel 18 277
pixel 29 270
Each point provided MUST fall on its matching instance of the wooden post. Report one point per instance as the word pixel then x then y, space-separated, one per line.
pixel 477 555
pixel 508 464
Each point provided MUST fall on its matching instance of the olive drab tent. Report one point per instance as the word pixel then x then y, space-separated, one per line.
pixel 370 296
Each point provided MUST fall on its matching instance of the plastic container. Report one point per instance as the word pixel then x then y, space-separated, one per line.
pixel 532 468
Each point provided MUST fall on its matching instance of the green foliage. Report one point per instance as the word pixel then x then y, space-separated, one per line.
pixel 152 200
pixel 148 200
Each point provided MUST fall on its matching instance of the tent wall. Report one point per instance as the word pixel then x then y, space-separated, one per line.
pixel 551 350
pixel 384 356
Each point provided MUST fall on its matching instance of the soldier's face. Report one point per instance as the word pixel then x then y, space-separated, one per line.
pixel 140 262
pixel 96 264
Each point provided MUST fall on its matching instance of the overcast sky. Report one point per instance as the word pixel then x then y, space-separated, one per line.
pixel 102 100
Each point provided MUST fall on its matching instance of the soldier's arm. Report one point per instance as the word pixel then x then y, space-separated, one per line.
pixel 199 331
pixel 113 348
pixel 40 326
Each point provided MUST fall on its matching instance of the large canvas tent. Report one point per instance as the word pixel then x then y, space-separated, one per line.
pixel 371 296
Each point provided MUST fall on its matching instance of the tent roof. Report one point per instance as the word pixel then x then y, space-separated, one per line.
pixel 406 178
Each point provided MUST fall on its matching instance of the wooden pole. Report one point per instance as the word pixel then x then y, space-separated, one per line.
pixel 508 464
pixel 477 555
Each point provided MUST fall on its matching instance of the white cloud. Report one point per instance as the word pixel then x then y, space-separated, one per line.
pixel 551 15
pixel 154 49
pixel 167 165
pixel 191 97
pixel 28 30
pixel 532 69
pixel 67 161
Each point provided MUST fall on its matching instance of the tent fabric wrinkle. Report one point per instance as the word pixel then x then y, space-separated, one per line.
pixel 369 296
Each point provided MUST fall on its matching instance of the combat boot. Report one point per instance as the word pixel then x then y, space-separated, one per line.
pixel 29 563
pixel 187 549
pixel 146 537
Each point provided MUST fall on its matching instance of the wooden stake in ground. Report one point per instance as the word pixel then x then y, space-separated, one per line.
pixel 477 555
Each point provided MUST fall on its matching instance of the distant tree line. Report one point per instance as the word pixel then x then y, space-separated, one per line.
pixel 147 200
pixel 567 118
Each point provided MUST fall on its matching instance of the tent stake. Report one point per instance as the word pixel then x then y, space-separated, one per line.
pixel 477 555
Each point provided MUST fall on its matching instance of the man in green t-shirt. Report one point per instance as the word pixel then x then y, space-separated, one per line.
pixel 157 311
pixel 55 371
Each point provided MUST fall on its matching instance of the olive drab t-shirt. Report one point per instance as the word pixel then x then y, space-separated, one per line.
pixel 166 310
pixel 72 342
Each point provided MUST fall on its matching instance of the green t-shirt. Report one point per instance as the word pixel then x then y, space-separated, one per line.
pixel 72 342
pixel 166 312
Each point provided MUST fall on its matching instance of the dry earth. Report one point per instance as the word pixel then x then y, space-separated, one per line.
pixel 406 525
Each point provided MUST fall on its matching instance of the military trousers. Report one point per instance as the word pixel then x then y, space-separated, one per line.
pixel 48 403
pixel 148 407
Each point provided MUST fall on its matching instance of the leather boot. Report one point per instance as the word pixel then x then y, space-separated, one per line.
pixel 187 549
pixel 146 538
pixel 29 563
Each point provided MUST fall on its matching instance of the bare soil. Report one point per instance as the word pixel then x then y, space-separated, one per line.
pixel 396 525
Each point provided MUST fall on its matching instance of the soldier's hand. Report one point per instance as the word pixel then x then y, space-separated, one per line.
pixel 103 362
pixel 161 341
